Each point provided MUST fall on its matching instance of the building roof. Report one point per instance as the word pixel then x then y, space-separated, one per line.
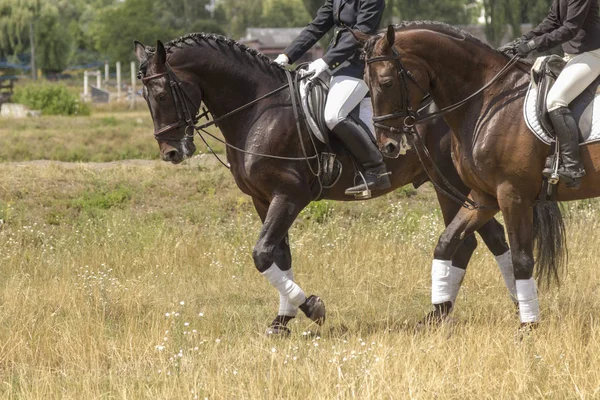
pixel 272 37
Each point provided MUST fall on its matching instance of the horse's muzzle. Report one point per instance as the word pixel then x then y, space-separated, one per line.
pixel 173 156
pixel 176 152
pixel 390 148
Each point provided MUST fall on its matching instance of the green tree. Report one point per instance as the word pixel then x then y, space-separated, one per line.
pixel 499 14
pixel 450 11
pixel 185 16
pixel 17 19
pixel 284 14
pixel 54 42
pixel 118 25
pixel 241 14
pixel 312 6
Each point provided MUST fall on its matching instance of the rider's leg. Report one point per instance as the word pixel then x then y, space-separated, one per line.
pixel 345 94
pixel 580 71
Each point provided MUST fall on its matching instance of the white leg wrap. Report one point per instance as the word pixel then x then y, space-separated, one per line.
pixel 529 308
pixel 506 268
pixel 445 281
pixel 286 287
pixel 285 307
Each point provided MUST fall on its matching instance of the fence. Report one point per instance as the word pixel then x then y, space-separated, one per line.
pixel 7 85
pixel 109 90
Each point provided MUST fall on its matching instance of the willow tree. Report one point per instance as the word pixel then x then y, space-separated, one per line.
pixel 17 27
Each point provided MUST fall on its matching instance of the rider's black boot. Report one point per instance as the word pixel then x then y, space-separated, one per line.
pixel 359 143
pixel 568 138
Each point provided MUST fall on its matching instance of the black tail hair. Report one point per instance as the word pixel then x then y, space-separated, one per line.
pixel 549 242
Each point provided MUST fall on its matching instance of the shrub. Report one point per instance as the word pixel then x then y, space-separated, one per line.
pixel 51 99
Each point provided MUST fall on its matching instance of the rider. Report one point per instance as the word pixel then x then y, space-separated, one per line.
pixel 347 88
pixel 576 25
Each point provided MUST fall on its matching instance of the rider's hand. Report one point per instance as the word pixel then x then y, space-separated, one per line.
pixel 511 47
pixel 316 68
pixel 282 60
pixel 525 48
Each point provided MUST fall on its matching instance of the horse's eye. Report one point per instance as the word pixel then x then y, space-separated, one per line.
pixel 161 97
pixel 388 83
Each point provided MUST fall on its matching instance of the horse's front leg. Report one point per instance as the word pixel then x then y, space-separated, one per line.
pixel 492 234
pixel 452 253
pixel 272 257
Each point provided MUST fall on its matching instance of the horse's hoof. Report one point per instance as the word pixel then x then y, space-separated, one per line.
pixel 525 331
pixel 432 320
pixel 278 330
pixel 279 326
pixel 314 308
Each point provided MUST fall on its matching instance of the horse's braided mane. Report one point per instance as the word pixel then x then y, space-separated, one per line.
pixel 193 39
pixel 435 26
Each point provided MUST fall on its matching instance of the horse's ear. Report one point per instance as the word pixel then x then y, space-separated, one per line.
pixel 161 53
pixel 360 37
pixel 391 35
pixel 140 51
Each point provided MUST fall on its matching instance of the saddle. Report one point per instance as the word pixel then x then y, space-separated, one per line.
pixel 585 108
pixel 313 96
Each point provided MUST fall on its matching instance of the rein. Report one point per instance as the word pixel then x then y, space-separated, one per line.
pixel 407 112
pixel 189 119
pixel 411 118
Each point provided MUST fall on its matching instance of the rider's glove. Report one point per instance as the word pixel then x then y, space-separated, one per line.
pixel 526 47
pixel 511 47
pixel 316 68
pixel 282 60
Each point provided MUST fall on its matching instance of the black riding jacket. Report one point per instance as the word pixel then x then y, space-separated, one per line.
pixel 364 15
pixel 573 23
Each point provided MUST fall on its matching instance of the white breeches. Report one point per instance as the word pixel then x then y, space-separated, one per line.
pixel 345 92
pixel 580 71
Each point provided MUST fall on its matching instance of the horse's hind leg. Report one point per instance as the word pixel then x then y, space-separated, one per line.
pixel 273 260
pixel 518 217
pixel 492 234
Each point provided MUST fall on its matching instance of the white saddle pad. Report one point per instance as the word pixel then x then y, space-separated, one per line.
pixel 533 123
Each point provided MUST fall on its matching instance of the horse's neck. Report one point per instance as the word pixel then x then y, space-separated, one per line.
pixel 459 74
pixel 228 83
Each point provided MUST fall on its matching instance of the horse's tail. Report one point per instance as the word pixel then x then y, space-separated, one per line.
pixel 549 241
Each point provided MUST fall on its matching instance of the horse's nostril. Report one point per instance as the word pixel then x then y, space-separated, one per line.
pixel 171 155
pixel 390 148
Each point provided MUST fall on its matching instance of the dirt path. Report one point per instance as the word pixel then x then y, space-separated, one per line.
pixel 205 160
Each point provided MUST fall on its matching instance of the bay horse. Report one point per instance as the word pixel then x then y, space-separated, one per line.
pixel 494 153
pixel 225 75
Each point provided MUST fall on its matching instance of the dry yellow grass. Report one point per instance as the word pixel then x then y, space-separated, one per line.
pixel 105 136
pixel 136 281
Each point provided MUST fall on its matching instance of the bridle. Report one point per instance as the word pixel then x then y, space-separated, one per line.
pixel 185 106
pixel 406 112
pixel 411 118
pixel 187 110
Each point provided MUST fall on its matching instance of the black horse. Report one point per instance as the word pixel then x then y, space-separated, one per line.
pixel 225 75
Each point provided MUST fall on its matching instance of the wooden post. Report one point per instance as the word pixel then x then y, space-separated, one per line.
pixel 86 84
pixel 32 45
pixel 133 80
pixel 106 71
pixel 98 79
pixel 118 67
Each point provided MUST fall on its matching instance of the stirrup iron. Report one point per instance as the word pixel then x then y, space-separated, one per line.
pixel 554 177
pixel 365 194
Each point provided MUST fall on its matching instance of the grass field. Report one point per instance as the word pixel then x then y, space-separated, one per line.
pixel 134 280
